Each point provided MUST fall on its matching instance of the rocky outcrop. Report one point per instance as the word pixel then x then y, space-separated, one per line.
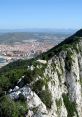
pixel 62 77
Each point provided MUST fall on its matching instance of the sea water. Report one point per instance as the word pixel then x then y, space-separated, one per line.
pixel 2 60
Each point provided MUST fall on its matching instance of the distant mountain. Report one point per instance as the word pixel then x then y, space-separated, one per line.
pixel 10 38
pixel 15 37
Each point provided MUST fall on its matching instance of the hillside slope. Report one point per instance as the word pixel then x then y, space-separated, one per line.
pixel 51 87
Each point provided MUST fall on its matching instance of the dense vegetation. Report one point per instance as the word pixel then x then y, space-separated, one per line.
pixel 10 108
pixel 10 74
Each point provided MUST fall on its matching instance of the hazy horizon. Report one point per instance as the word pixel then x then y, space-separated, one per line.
pixel 39 30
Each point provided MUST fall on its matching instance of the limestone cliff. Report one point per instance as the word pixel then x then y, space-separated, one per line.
pixel 55 88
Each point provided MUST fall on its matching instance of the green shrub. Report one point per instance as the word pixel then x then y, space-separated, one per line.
pixel 70 106
pixel 46 97
pixel 59 102
pixel 10 108
pixel 37 86
pixel 22 108
pixel 29 76
pixel 9 79
pixel 4 83
pixel 68 60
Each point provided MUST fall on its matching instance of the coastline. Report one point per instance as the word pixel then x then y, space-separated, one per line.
pixel 4 62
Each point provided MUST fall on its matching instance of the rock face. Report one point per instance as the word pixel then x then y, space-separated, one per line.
pixel 67 84
pixel 63 74
pixel 33 101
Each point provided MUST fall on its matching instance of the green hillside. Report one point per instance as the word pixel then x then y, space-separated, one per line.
pixel 10 73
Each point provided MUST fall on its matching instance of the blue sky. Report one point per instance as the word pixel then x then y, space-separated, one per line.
pixel 18 14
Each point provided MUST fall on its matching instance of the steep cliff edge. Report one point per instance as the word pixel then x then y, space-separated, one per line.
pixel 52 83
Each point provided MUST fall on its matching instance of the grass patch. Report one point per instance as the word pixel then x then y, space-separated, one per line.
pixel 70 106
pixel 46 97
pixel 59 102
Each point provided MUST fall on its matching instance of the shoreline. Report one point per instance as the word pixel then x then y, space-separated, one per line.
pixel 4 61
